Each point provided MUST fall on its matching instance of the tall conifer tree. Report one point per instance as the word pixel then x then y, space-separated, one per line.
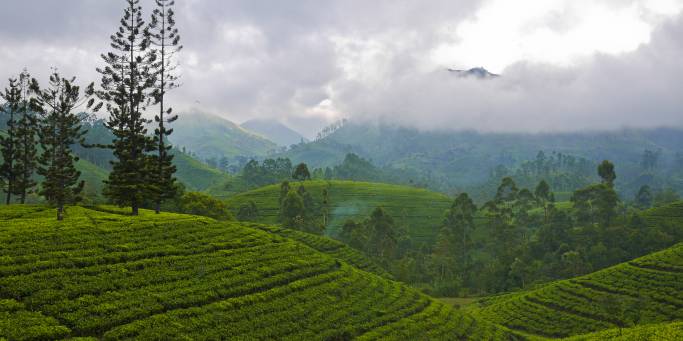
pixel 12 98
pixel 27 127
pixel 60 128
pixel 165 39
pixel 127 80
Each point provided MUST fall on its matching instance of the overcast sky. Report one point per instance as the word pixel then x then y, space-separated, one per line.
pixel 566 64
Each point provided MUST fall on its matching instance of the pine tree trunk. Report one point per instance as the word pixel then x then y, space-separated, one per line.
pixel 8 199
pixel 60 212
pixel 158 207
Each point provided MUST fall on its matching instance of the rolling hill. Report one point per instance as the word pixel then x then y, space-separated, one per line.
pixel 106 275
pixel 644 291
pixel 211 136
pixel 197 176
pixel 418 210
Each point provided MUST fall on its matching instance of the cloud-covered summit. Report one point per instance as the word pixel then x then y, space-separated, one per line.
pixel 308 63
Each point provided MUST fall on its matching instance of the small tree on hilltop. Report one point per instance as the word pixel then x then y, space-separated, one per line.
pixel 607 173
pixel 301 173
pixel 293 211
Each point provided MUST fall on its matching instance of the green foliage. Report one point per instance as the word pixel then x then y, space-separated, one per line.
pixel 59 129
pixel 164 37
pixel 201 204
pixel 606 172
pixel 643 199
pixel 127 79
pixel 248 212
pixel 301 173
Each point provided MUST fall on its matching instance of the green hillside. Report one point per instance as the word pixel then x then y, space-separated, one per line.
pixel 418 210
pixel 107 275
pixel 211 136
pixel 643 291
pixel 196 175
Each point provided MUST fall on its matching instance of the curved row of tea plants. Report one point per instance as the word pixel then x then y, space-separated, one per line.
pixel 662 331
pixel 329 246
pixel 646 290
pixel 106 275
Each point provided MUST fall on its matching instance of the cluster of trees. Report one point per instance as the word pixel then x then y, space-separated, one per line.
pixel 298 209
pixel 378 236
pixel 561 171
pixel 136 77
pixel 270 171
pixel 42 117
pixel 518 239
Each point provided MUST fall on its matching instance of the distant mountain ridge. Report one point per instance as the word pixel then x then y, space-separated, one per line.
pixel 274 131
pixel 456 160
pixel 209 136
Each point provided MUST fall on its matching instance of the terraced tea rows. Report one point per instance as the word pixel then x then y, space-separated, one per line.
pixel 105 275
pixel 662 331
pixel 646 290
pixel 419 210
pixel 329 246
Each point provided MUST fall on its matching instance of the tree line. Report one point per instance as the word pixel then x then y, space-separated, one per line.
pixel 516 240
pixel 136 77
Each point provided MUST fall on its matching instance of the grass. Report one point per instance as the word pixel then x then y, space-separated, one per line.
pixel 107 275
pixel 419 211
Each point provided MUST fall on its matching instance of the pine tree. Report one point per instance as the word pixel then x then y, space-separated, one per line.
pixel 59 129
pixel 25 140
pixel 12 98
pixel 165 37
pixel 127 79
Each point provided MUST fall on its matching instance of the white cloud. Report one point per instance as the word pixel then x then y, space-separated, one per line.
pixel 559 32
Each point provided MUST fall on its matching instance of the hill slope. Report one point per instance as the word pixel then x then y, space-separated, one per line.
pixel 196 175
pixel 418 210
pixel 274 131
pixel 643 291
pixel 110 276
pixel 214 137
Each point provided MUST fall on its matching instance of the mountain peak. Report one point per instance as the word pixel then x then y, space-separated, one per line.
pixel 478 72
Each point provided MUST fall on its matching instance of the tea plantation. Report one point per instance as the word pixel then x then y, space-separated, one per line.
pixel 643 291
pixel 419 211
pixel 105 275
